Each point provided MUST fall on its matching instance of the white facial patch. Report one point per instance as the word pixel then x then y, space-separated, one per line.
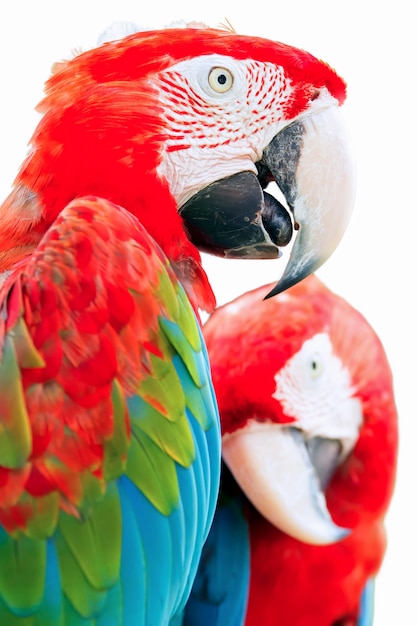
pixel 219 111
pixel 315 388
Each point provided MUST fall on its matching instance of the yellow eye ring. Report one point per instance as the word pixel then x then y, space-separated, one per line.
pixel 220 79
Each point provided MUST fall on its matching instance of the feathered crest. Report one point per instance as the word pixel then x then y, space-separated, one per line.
pixel 227 26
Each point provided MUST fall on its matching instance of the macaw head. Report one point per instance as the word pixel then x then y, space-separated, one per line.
pixel 186 127
pixel 307 409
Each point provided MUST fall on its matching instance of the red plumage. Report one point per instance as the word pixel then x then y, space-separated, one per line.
pixel 250 340
pixel 84 325
pixel 103 132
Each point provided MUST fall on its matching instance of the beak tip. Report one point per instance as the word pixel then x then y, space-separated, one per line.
pixel 274 292
pixel 282 285
pixel 319 183
pixel 291 278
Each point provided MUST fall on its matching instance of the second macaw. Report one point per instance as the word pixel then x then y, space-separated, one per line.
pixel 309 428
pixel 149 149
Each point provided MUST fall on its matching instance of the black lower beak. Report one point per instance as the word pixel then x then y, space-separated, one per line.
pixel 235 218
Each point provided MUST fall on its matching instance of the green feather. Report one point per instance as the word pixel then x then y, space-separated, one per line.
pixel 9 619
pixel 166 292
pixel 15 432
pixel 26 353
pixel 153 472
pixel 174 438
pixel 163 389
pixel 85 599
pixel 197 403
pixel 116 447
pixel 92 490
pixel 42 522
pixel 88 540
pixel 187 321
pixel 22 572
pixel 174 334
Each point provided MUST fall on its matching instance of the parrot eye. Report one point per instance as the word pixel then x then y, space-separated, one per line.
pixel 220 79
pixel 316 366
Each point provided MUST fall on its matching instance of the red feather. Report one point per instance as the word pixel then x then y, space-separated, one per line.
pixel 87 325
pixel 249 341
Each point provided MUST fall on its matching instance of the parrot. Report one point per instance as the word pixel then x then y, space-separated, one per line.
pixel 150 150
pixel 310 440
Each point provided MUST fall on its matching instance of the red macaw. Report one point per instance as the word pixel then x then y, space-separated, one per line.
pixel 309 428
pixel 148 149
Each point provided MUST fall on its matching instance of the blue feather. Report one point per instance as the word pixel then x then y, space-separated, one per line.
pixel 133 562
pixel 366 615
pixel 220 591
pixel 154 531
pixel 51 610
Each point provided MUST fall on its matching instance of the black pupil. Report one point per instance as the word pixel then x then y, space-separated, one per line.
pixel 221 79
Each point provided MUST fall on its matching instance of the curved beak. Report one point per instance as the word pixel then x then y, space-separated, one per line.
pixel 284 478
pixel 311 163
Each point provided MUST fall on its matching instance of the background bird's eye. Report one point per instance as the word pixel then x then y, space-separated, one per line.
pixel 316 366
pixel 220 79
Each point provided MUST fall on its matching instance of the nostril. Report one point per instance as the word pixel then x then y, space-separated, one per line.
pixel 276 221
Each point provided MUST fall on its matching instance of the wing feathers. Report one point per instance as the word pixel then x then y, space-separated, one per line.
pixel 109 440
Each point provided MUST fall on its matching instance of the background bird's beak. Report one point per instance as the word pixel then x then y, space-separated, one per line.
pixel 272 466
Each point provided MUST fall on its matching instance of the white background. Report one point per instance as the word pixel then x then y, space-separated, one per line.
pixel 372 45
